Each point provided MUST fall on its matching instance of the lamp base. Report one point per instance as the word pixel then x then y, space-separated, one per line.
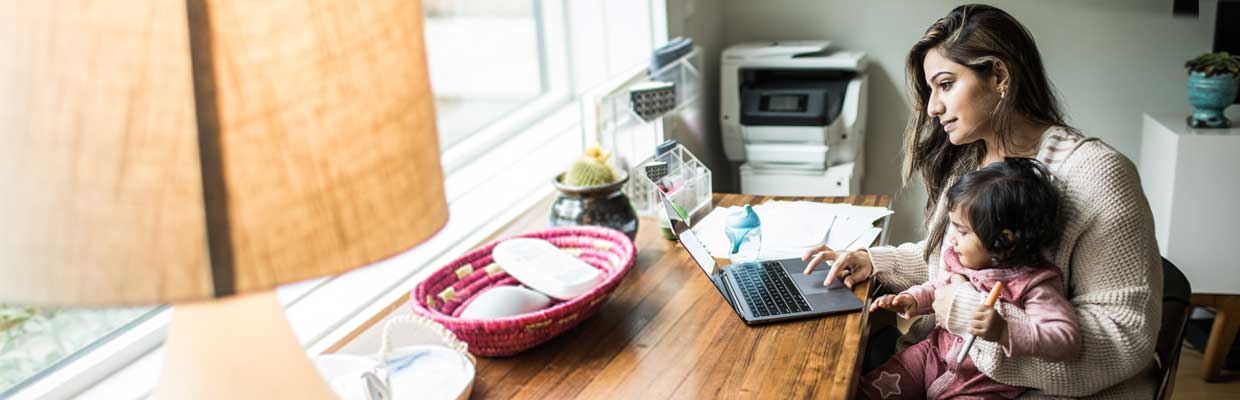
pixel 240 347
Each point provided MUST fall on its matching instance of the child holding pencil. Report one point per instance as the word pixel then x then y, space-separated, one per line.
pixel 1002 217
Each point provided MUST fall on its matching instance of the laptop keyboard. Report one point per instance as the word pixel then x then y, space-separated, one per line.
pixel 768 290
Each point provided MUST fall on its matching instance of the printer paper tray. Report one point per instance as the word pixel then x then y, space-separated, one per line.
pixel 791 134
pixel 781 153
pixel 839 180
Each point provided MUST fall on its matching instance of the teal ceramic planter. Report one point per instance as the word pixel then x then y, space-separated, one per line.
pixel 1209 97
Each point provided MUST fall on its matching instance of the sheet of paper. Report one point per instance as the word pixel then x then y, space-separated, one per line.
pixel 790 228
pixel 866 239
pixel 867 215
pixel 845 232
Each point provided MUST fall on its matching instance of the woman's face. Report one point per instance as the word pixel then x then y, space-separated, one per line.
pixel 960 99
pixel 962 238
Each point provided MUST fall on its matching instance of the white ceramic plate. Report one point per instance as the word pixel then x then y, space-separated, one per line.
pixel 429 372
pixel 343 372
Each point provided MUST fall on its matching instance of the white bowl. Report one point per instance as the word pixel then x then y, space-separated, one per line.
pixel 343 372
pixel 429 372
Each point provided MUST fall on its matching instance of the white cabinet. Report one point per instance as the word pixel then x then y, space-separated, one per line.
pixel 1192 180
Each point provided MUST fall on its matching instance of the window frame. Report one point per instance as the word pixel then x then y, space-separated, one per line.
pixel 114 352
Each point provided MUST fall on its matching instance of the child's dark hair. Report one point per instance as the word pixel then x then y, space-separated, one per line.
pixel 1014 195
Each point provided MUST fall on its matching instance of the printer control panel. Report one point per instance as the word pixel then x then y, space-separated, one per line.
pixel 786 103
pixel 792 97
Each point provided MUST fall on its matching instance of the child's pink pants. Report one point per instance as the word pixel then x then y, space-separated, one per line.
pixel 928 370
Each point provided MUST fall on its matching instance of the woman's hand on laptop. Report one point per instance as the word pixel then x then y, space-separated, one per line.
pixel 849 266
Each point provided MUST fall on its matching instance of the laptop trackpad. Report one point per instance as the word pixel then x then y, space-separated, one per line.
pixel 812 283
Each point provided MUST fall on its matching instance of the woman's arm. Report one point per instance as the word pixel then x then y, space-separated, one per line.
pixel 1115 279
pixel 900 268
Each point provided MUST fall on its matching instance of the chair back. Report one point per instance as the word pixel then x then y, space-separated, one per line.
pixel 1175 312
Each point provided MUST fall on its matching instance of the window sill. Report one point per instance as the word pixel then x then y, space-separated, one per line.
pixel 483 195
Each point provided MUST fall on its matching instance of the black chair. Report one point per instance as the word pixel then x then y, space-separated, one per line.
pixel 1175 312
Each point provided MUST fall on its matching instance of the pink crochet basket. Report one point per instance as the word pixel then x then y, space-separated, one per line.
pixel 443 295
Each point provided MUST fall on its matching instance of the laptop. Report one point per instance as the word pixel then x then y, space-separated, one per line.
pixel 766 291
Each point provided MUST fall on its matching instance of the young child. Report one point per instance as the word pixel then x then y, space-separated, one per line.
pixel 1001 219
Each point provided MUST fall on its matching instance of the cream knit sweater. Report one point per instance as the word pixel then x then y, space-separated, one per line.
pixel 1114 274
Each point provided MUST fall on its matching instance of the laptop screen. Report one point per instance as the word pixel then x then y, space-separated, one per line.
pixel 688 239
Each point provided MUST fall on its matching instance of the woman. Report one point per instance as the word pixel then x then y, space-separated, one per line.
pixel 982 95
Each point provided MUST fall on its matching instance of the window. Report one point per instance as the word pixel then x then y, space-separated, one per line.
pixel 33 340
pixel 485 62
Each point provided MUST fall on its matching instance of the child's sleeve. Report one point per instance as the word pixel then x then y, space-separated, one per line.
pixel 1050 332
pixel 924 295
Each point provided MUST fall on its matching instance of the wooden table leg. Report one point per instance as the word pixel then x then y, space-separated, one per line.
pixel 1222 334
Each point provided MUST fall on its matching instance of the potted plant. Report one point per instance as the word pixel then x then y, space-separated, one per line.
pixel 1212 82
pixel 591 194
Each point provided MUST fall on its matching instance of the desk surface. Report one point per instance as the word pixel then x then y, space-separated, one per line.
pixel 666 332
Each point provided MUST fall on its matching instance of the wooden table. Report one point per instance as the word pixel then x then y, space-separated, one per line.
pixel 667 332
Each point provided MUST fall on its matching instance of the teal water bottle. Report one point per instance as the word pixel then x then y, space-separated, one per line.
pixel 744 231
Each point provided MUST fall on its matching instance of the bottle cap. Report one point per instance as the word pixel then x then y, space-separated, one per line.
pixel 746 219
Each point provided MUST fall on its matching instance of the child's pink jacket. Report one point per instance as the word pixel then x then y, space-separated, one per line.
pixel 1050 333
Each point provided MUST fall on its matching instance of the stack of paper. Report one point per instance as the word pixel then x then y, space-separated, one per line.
pixel 789 229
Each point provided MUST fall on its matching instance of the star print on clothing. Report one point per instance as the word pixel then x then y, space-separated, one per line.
pixel 887 384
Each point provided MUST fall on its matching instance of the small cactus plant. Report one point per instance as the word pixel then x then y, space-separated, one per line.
pixel 1212 64
pixel 591 169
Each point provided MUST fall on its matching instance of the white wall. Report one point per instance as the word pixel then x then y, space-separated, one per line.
pixel 1111 60
pixel 702 20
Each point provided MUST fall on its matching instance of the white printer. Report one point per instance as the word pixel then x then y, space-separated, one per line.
pixel 794 113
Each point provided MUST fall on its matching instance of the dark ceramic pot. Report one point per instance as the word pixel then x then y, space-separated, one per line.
pixel 602 205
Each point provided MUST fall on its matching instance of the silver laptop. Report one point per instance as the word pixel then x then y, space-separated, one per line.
pixel 766 291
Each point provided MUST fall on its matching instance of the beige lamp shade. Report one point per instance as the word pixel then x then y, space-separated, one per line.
pixel 147 156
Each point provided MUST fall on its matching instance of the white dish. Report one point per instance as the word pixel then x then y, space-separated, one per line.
pixel 409 372
pixel 343 373
pixel 505 301
pixel 545 268
pixel 428 372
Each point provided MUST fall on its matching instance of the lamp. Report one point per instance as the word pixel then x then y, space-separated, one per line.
pixel 204 153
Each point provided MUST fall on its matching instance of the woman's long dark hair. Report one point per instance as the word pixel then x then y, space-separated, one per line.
pixel 979 37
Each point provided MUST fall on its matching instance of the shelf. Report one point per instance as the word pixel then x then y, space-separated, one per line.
pixel 609 119
pixel 681 72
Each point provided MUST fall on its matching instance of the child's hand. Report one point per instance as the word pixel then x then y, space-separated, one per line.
pixel 988 325
pixel 901 303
